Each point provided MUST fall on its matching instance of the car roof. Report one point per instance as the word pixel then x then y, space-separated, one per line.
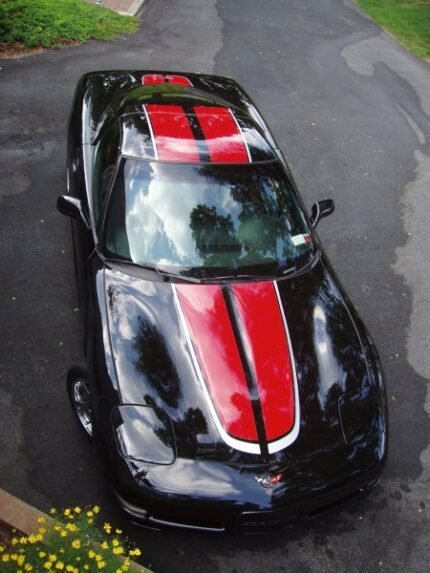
pixel 185 118
pixel 192 134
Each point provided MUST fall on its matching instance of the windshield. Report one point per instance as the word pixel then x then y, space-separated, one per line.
pixel 207 220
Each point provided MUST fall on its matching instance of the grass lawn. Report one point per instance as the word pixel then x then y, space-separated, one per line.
pixel 50 23
pixel 407 20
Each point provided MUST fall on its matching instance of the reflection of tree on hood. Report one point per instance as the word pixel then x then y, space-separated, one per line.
pixel 154 361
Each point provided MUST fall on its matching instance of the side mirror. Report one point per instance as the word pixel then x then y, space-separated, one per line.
pixel 320 210
pixel 72 207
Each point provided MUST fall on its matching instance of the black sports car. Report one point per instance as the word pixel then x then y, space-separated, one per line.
pixel 229 383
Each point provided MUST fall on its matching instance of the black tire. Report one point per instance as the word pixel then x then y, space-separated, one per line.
pixel 78 389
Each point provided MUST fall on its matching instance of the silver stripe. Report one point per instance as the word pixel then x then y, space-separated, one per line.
pixel 229 440
pixel 152 133
pixel 287 440
pixel 243 137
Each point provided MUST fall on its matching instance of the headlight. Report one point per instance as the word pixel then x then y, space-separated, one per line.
pixel 144 435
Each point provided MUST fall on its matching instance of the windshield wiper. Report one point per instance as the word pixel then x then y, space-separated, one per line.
pixel 234 276
pixel 251 276
pixel 165 275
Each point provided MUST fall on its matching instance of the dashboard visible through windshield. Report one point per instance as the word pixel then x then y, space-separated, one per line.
pixel 206 219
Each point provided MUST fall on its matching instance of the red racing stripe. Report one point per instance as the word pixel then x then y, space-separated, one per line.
pixel 178 80
pixel 267 343
pixel 223 136
pixel 216 349
pixel 174 139
pixel 151 79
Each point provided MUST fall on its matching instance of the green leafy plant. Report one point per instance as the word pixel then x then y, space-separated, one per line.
pixel 49 23
pixel 407 20
pixel 70 543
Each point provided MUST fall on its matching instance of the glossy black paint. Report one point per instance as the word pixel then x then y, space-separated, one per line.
pixel 72 207
pixel 320 210
pixel 137 356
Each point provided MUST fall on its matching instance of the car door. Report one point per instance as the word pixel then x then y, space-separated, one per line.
pixel 82 236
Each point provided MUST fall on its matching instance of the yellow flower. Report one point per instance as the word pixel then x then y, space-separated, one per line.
pixel 59 565
pixel 98 557
pixel 76 544
pixel 1 548
pixel 32 539
pixel 118 531
pixel 96 509
pixel 101 565
pixel 67 512
pixel 107 527
pixel 47 565
pixel 135 552
pixel 118 550
pixel 90 514
pixel 41 519
pixel 72 527
pixel 115 542
pixel 52 511
pixel 91 554
pixel 5 558
pixel 14 540
pixel 20 560
pixel 90 521
pixel 52 558
pixel 42 554
pixel 63 533
pixel 23 540
pixel 86 567
pixel 77 509
pixel 28 567
pixel 105 545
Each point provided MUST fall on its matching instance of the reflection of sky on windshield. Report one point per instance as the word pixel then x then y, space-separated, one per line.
pixel 200 216
pixel 154 229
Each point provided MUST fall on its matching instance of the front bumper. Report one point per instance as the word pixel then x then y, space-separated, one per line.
pixel 241 520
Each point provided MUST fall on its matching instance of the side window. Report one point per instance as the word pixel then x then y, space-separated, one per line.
pixel 106 155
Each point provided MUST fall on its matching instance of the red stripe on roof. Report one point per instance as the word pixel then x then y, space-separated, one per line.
pixel 216 349
pixel 267 342
pixel 174 139
pixel 223 136
pixel 178 80
pixel 150 79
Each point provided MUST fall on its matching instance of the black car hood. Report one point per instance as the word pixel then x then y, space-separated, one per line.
pixel 159 363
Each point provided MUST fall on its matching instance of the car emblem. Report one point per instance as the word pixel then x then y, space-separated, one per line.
pixel 269 480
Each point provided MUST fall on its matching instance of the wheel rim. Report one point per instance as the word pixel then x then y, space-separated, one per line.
pixel 82 404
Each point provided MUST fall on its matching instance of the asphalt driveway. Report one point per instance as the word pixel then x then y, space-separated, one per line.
pixel 351 110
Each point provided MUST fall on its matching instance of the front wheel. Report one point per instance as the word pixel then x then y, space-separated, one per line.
pixel 78 389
